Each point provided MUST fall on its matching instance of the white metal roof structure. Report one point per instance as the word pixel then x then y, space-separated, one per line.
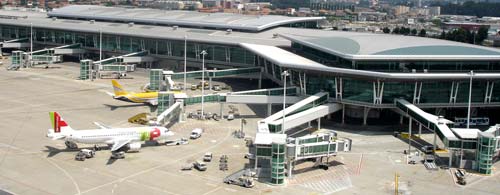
pixel 465 133
pixel 372 46
pixel 288 59
pixel 181 18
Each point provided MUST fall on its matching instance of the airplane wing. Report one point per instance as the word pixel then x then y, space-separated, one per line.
pixel 110 94
pixel 119 143
pixel 101 125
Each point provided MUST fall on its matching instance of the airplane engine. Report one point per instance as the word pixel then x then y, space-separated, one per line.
pixel 134 147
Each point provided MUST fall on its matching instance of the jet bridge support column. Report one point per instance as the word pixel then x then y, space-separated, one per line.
pixel 365 115
pixel 269 109
pixel 343 113
pixel 260 80
pixel 420 130
pixel 409 135
pixel 221 110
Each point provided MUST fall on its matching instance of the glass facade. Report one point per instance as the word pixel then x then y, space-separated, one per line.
pixel 127 44
pixel 165 100
pixel 155 79
pixel 278 163
pixel 486 151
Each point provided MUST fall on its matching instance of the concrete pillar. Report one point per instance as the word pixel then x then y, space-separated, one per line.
pixel 260 80
pixel 365 114
pixel 209 83
pixel 343 113
pixel 401 120
pixel 420 131
pixel 290 168
pixel 221 110
pixel 269 109
pixel 451 158
pixel 309 124
pixel 255 164
pixel 409 135
pixel 319 123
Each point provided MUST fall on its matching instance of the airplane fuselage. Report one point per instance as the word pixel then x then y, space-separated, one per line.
pixel 108 136
pixel 145 97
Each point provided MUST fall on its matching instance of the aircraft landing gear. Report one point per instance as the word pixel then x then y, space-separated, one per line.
pixel 71 145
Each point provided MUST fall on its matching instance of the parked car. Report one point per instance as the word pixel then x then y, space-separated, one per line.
pixel 196 133
pixel 200 165
pixel 187 167
pixel 207 157
pixel 80 156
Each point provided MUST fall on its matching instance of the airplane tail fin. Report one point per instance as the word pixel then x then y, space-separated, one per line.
pixel 119 91
pixel 58 124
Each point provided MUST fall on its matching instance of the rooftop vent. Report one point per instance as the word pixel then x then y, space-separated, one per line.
pixel 275 35
pixel 229 31
pixel 413 70
pixel 54 18
pixel 92 21
pixel 130 24
pixel 175 27
pixel 425 70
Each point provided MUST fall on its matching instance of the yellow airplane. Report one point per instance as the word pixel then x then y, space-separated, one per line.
pixel 142 97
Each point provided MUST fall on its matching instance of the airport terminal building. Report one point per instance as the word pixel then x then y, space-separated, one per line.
pixel 363 72
pixel 361 69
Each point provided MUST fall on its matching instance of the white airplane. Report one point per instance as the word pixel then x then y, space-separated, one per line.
pixel 121 139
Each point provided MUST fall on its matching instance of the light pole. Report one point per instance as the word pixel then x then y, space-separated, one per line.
pixel 31 44
pixel 284 74
pixel 203 82
pixel 185 61
pixel 470 94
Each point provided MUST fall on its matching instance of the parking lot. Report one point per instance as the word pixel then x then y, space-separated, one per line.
pixel 30 163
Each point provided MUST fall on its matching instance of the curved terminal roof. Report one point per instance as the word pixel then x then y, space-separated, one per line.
pixel 287 59
pixel 371 46
pixel 180 18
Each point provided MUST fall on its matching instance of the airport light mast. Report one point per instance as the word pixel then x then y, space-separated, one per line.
pixel 203 82
pixel 284 74
pixel 185 61
pixel 470 95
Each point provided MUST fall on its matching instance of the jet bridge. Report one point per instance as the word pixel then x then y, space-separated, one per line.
pixel 309 109
pixel 116 66
pixel 434 123
pixel 50 55
pixel 159 75
pixel 15 43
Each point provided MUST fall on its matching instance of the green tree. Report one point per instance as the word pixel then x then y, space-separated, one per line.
pixel 386 30
pixel 414 32
pixel 482 34
pixel 443 35
pixel 422 33
pixel 395 30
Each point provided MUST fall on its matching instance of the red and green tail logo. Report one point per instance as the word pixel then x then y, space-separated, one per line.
pixel 57 122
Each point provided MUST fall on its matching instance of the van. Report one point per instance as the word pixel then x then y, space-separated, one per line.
pixel 196 133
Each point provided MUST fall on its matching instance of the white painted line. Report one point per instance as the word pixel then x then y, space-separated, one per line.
pixel 231 190
pixel 67 174
pixel 215 189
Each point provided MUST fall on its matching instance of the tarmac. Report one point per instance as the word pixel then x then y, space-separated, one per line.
pixel 31 163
